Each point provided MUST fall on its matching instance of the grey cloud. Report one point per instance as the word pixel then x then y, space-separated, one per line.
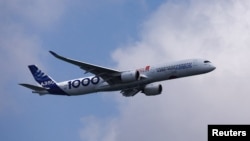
pixel 19 44
pixel 216 30
pixel 39 13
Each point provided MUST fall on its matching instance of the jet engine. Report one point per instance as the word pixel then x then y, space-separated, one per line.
pixel 129 76
pixel 151 89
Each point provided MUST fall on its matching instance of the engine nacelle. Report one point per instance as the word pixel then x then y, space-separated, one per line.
pixel 129 76
pixel 151 89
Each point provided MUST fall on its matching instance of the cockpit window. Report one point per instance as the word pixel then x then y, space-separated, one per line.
pixel 207 61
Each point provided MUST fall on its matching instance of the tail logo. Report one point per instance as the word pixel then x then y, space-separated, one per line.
pixel 46 83
pixel 40 75
pixel 43 78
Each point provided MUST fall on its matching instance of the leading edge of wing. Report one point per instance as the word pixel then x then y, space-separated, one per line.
pixel 85 66
pixel 103 72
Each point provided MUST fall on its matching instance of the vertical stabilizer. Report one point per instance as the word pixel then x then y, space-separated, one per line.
pixel 40 77
pixel 46 81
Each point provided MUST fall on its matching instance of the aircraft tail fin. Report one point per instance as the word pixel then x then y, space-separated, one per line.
pixel 40 77
pixel 49 86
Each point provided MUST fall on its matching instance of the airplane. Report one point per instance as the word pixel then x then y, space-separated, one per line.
pixel 129 83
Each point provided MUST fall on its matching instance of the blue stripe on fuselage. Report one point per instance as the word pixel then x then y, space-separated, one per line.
pixel 54 89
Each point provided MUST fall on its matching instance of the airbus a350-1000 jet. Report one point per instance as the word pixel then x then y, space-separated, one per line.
pixel 129 83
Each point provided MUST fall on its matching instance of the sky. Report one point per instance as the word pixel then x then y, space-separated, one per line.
pixel 123 34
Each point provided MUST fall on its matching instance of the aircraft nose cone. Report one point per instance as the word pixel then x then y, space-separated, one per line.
pixel 213 67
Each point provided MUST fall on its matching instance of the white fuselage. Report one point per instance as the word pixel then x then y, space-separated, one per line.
pixel 148 75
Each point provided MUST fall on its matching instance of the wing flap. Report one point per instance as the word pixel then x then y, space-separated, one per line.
pixel 130 92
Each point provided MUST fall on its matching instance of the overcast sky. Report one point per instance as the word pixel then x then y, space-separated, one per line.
pixel 124 34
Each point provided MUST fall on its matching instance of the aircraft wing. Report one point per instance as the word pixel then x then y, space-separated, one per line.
pixel 130 92
pixel 109 75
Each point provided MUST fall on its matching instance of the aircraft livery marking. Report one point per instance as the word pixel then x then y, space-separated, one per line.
pixel 175 67
pixel 45 83
pixel 84 82
pixel 141 70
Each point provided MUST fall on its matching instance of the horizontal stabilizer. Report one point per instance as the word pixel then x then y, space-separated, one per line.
pixel 33 87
